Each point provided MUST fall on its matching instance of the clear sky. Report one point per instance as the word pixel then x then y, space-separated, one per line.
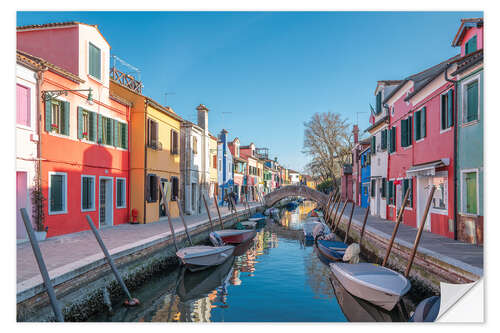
pixel 262 74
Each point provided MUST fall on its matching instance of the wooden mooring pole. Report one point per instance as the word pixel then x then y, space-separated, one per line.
pixel 131 301
pixel 208 212
pixel 181 214
pixel 235 211
pixel 340 216
pixel 337 200
pixel 165 205
pixel 326 208
pixel 218 212
pixel 349 224
pixel 364 225
pixel 396 227
pixel 41 266
pixel 336 211
pixel 419 233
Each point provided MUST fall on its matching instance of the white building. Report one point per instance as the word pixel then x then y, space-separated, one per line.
pixel 195 163
pixel 378 139
pixel 294 177
pixel 26 140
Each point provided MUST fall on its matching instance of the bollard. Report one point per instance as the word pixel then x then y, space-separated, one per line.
pixel 41 265
pixel 131 301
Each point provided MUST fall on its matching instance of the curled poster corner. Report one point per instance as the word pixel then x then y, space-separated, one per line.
pixel 461 302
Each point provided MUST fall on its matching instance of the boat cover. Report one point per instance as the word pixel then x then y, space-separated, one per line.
pixel 201 250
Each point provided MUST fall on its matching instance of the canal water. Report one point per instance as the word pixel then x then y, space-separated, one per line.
pixel 275 278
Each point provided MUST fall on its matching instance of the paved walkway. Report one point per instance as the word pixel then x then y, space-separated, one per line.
pixel 70 252
pixel 465 255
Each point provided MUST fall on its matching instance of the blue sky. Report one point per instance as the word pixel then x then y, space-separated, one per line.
pixel 263 74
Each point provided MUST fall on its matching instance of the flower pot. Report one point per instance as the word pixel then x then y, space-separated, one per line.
pixel 40 235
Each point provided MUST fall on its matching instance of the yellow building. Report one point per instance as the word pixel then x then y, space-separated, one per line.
pixel 154 154
pixel 214 185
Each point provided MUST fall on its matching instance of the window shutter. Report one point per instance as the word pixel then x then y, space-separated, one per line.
pixel 443 111
pixel 80 123
pixel 409 134
pixel 48 115
pixel 416 130
pixel 171 141
pixel 373 188
pixel 472 101
pixel 99 129
pixel 423 119
pixel 115 133
pixel 65 121
pixel 125 136
pixel 450 108
pixel 403 133
pixel 154 188
pixel 379 102
pixel 383 188
pixel 93 126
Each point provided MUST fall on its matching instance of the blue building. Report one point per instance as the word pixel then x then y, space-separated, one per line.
pixel 364 189
pixel 225 168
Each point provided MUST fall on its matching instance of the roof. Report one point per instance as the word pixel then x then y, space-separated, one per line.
pixel 58 25
pixel 387 83
pixel 41 64
pixel 466 23
pixel 378 122
pixel 468 61
pixel 422 78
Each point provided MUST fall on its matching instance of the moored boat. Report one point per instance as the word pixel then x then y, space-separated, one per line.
pixel 308 228
pixel 202 256
pixel 376 284
pixel 257 217
pixel 233 236
pixel 331 250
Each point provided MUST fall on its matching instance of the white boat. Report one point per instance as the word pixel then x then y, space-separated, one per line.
pixel 308 228
pixel 232 236
pixel 376 284
pixel 201 256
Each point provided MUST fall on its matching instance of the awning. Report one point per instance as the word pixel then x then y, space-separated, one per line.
pixel 427 169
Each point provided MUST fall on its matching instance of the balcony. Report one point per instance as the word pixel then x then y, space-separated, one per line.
pixel 126 80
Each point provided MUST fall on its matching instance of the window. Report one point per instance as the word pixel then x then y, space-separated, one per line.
pixel 151 188
pixel 195 145
pixel 105 130
pixel 175 188
pixel 440 199
pixel 447 110
pixel 471 45
pixel 374 185
pixel 383 139
pixel 88 193
pixel 379 103
pixel 392 140
pixel 193 197
pixel 57 116
pixel 408 184
pixel 406 132
pixel 152 137
pixel 174 142
pixel 122 135
pixel 94 61
pixel 87 125
pixel 420 123
pixel 470 192
pixel 23 114
pixel 391 192
pixel 57 193
pixel 121 191
pixel 373 145
pixel 471 101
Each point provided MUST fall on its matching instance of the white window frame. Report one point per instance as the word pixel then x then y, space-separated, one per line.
pixel 65 192
pixel 463 189
pixel 81 193
pixel 124 194
pixel 88 62
pixel 463 85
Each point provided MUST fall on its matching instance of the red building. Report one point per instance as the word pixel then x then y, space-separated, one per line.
pixel 421 148
pixel 84 138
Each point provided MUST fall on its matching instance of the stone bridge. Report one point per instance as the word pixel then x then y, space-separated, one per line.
pixel 296 191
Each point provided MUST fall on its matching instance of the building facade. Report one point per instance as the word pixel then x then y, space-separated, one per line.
pixel 365 177
pixel 225 166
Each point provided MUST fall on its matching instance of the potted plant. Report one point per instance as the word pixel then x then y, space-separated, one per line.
pixel 38 202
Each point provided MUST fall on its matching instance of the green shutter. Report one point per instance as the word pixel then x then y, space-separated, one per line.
pixel 92 126
pixel 94 61
pixel 409 134
pixel 416 126
pixel 56 195
pixel 404 132
pixel 85 194
pixel 450 108
pixel 472 101
pixel 65 113
pixel 48 115
pixel 115 132
pixel 383 189
pixel 125 136
pixel 443 112
pixel 379 102
pixel 99 129
pixel 80 123
pixel 470 183
pixel 423 119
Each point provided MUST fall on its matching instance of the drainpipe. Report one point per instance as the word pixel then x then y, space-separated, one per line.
pixel 39 78
pixel 145 157
pixel 128 158
pixel 455 147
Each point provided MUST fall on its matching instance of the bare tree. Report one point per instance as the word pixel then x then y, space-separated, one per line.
pixel 328 142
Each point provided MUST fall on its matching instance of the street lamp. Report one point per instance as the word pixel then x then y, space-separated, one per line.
pixel 48 94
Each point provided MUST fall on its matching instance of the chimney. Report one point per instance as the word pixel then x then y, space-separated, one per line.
pixel 202 116
pixel 355 131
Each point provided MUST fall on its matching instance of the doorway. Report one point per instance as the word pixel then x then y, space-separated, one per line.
pixel 21 202
pixel 424 184
pixel 105 201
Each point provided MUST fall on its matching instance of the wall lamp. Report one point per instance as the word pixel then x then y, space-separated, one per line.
pixel 48 94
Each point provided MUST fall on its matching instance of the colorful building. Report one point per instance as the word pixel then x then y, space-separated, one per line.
pixel 154 154
pixel 84 168
pixel 213 180
pixel 365 177
pixel 469 82
pixel 251 178
pixel 240 168
pixel 225 166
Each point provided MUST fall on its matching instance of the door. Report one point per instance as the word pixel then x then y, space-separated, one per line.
pixel 166 186
pixel 194 203
pixel 105 201
pixel 378 198
pixel 21 202
pixel 424 184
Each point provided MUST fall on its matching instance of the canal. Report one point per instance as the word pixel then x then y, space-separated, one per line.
pixel 275 278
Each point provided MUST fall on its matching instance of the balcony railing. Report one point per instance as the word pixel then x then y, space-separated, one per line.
pixel 126 80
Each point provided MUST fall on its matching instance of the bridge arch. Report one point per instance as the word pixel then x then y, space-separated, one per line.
pixel 296 191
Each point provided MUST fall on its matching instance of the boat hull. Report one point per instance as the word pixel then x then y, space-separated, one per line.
pixel 237 238
pixel 333 251
pixel 357 284
pixel 202 261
